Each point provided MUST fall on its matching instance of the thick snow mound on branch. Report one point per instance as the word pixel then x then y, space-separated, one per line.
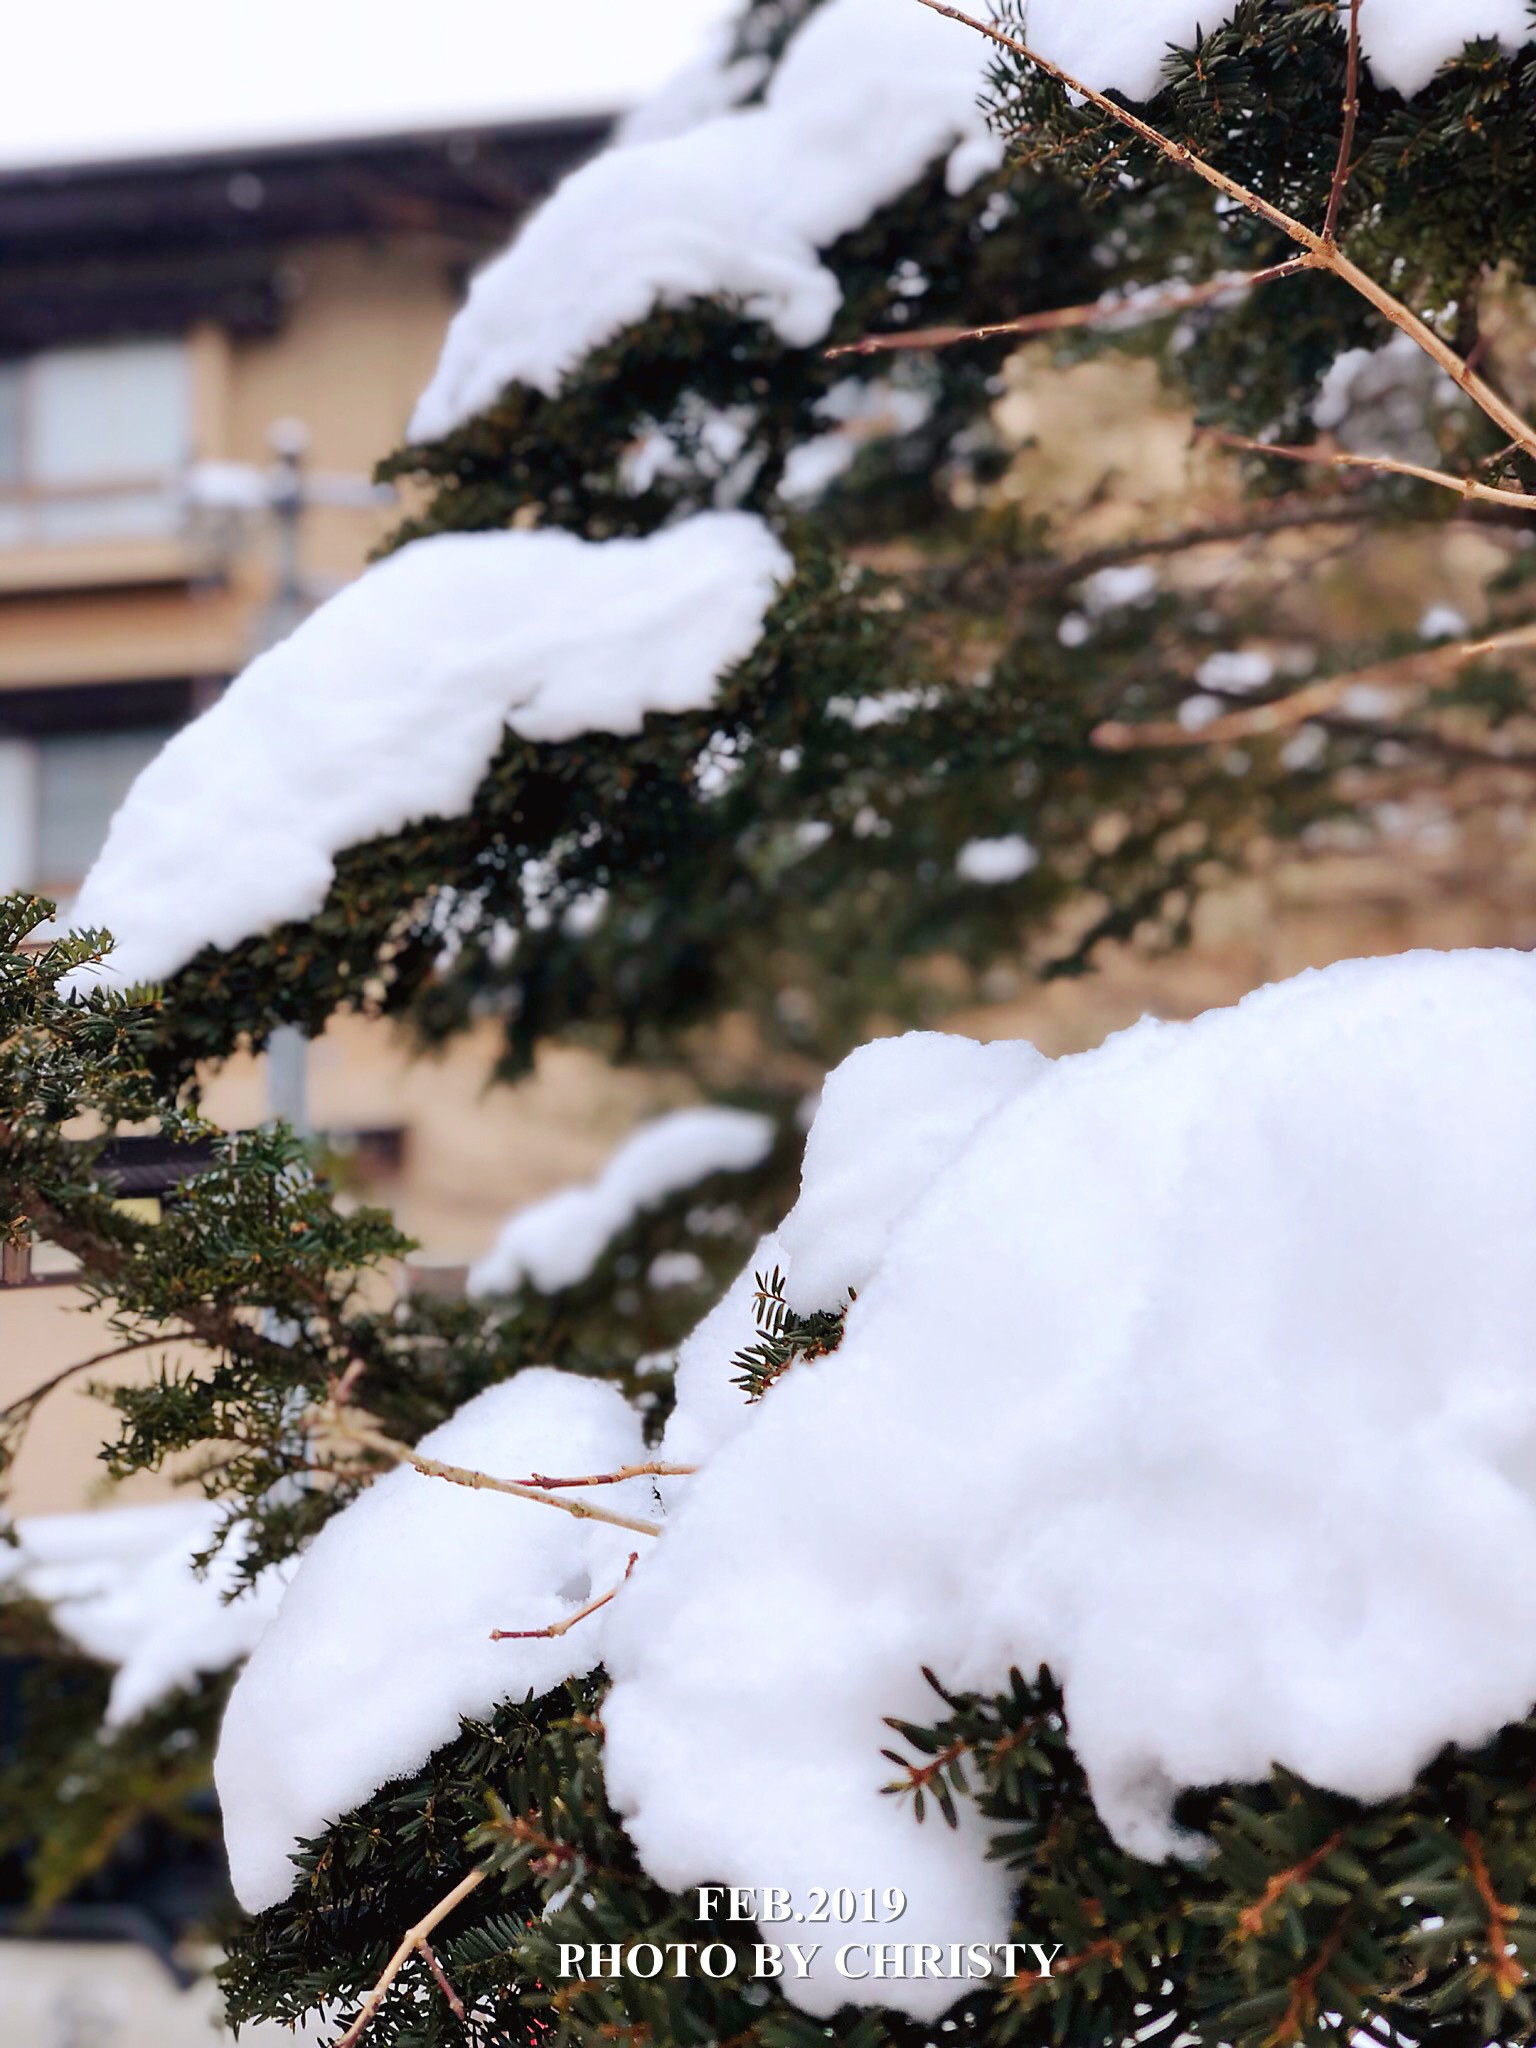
pixel 121 1585
pixel 1121 45
pixel 890 1119
pixel 1201 1371
pixel 556 1243
pixel 868 93
pixel 389 704
pixel 383 1641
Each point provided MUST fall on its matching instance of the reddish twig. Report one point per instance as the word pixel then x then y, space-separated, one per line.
pixel 344 1424
pixel 1301 2006
pixel 1342 167
pixel 654 1471
pixel 560 1628
pixel 414 1938
pixel 444 1983
pixel 1107 1951
pixel 1131 310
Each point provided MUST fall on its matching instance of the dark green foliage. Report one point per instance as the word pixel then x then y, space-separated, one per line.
pixel 1308 1917
pixel 782 1337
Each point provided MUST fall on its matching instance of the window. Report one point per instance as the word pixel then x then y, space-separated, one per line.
pixel 92 440
pixel 67 759
pixel 81 780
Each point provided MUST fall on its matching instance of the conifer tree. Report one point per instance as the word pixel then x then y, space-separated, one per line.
pixel 941 670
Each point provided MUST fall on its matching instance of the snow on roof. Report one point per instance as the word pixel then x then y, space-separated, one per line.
pixel 120 1584
pixel 1121 45
pixel 556 1242
pixel 867 94
pixel 390 702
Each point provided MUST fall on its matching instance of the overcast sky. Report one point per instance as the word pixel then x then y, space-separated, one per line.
pixel 85 79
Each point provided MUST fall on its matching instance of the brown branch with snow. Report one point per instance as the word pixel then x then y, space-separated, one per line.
pixel 414 1939
pixel 1423 669
pixel 341 1423
pixel 1320 251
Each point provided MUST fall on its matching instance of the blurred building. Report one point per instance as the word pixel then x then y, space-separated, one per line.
pixel 201 360
pixel 160 322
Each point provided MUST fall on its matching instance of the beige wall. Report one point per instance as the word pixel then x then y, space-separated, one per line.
pixel 364 327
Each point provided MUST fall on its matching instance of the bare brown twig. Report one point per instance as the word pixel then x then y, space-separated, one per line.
pixel 444 1983
pixel 653 1471
pixel 25 1403
pixel 350 1428
pixel 560 1628
pixel 414 1938
pixel 1342 167
pixel 1150 305
pixel 1333 458
pixel 1421 669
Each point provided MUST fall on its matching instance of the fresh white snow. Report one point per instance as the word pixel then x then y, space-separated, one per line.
pixel 868 93
pixel 384 1638
pixel 1200 1370
pixel 992 861
pixel 556 1242
pixel 1197 1367
pixel 120 1584
pixel 389 704
pixel 1121 45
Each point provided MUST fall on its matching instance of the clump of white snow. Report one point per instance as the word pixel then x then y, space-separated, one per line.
pixel 1236 670
pixel 1382 401
pixel 1199 1367
pixel 710 84
pixel 1117 587
pixel 389 704
pixel 1443 622
pixel 890 1119
pixel 990 862
pixel 1122 45
pixel 867 94
pixel 120 1584
pixel 556 1242
pixel 383 1641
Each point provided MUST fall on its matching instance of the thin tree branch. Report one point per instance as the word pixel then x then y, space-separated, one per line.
pixel 415 1938
pixel 25 1403
pixel 1325 253
pixel 560 1628
pixel 656 1471
pixel 1329 458
pixel 345 1425
pixel 1283 515
pixel 1341 169
pixel 444 1983
pixel 1421 669
pixel 1131 310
